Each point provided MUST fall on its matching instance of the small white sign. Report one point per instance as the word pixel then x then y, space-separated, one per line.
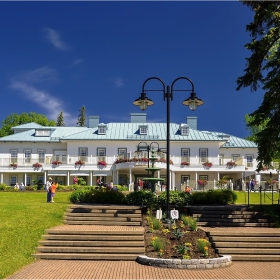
pixel 159 214
pixel 174 214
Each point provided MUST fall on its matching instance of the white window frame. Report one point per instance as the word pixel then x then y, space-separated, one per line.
pixel 43 133
pixel 83 154
pixel 102 129
pixel 13 180
pixel 203 154
pixel 14 156
pixel 41 156
pixel 185 179
pixel 122 152
pixel 143 130
pixel 27 156
pixel 250 159
pixel 235 157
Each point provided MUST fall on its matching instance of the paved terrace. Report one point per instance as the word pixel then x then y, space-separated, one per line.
pixel 69 269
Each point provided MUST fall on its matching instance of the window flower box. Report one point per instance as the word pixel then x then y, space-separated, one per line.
pixel 185 163
pixel 37 165
pixel 102 163
pixel 56 162
pixel 231 164
pixel 202 182
pixel 14 165
pixel 207 164
pixel 79 162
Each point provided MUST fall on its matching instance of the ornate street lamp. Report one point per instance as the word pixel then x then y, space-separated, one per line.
pixel 143 102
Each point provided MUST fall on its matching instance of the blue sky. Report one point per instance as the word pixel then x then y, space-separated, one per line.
pixel 59 56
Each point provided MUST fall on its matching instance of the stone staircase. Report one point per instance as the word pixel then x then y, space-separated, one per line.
pixel 228 216
pixel 247 246
pixel 95 232
pixel 238 231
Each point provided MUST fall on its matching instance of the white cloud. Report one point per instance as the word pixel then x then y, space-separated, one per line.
pixel 118 82
pixel 77 61
pixel 54 37
pixel 38 75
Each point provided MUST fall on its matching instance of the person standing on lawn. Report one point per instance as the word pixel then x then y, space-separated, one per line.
pixel 53 189
pixel 48 189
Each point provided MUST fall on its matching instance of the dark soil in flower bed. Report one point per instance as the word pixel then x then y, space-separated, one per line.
pixel 170 250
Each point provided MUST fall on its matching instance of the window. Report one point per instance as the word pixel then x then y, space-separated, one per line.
pixel 184 129
pixel 28 181
pixel 14 156
pixel 235 157
pixel 221 159
pixel 83 154
pixel 42 178
pixel 203 155
pixel 122 152
pixel 102 129
pixel 41 154
pixel 122 179
pixel 13 180
pixel 185 155
pixel 101 154
pixel 203 177
pixel 250 159
pixel 42 133
pixel 143 130
pixel 185 179
pixel 27 156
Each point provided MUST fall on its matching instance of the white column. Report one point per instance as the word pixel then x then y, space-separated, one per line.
pixel 1 178
pixel 25 179
pixel 196 180
pixel 68 174
pixel 130 175
pixel 173 179
pixel 90 180
pixel 45 177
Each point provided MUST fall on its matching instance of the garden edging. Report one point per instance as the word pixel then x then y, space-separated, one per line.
pixel 186 264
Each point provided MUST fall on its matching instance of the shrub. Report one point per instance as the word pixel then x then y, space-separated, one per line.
pixel 77 196
pixel 178 198
pixel 213 197
pixel 31 188
pixel 106 196
pixel 156 223
pixel 3 187
pixel 202 245
pixel 157 243
pixel 140 198
pixel 190 222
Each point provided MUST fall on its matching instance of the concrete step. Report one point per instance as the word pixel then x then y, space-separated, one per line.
pixel 231 224
pixel 248 251
pixel 246 239
pixel 105 207
pixel 135 231
pixel 250 258
pixel 95 250
pixel 100 214
pixel 245 245
pixel 244 234
pixel 227 216
pixel 233 220
pixel 103 219
pixel 84 237
pixel 120 223
pixel 96 257
pixel 97 243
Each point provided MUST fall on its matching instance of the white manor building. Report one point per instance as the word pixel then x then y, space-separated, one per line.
pixel 38 152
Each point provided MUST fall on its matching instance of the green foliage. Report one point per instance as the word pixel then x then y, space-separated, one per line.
pixel 157 243
pixel 3 187
pixel 156 223
pixel 202 245
pixel 183 249
pixel 140 198
pixel 107 197
pixel 60 120
pixel 178 198
pixel 262 71
pixel 214 197
pixel 121 188
pixel 16 119
pixel 81 181
pixel 177 233
pixel 190 222
pixel 78 196
pixel 82 117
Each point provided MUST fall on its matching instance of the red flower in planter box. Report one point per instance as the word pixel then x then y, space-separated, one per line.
pixel 37 165
pixel 56 162
pixel 79 162
pixel 207 164
pixel 231 164
pixel 103 163
pixel 14 165
pixel 185 163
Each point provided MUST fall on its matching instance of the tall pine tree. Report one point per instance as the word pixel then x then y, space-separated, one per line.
pixel 60 120
pixel 82 117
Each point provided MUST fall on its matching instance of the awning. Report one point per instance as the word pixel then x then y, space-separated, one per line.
pixel 102 173
pixel 57 173
pixel 79 173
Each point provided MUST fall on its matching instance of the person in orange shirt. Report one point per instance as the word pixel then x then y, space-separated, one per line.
pixel 53 188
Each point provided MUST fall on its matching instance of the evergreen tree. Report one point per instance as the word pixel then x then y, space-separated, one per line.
pixel 82 117
pixel 263 72
pixel 60 120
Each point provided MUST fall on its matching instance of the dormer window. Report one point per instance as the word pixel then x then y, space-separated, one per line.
pixel 42 132
pixel 143 129
pixel 102 129
pixel 184 128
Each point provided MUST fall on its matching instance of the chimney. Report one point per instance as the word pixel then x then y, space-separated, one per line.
pixel 138 117
pixel 192 122
pixel 93 121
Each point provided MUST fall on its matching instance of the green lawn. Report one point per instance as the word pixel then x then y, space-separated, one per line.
pixel 24 217
pixel 257 198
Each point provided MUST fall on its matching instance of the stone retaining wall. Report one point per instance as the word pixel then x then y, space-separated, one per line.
pixel 186 264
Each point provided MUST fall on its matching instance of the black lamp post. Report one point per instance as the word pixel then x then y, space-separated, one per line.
pixel 143 102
